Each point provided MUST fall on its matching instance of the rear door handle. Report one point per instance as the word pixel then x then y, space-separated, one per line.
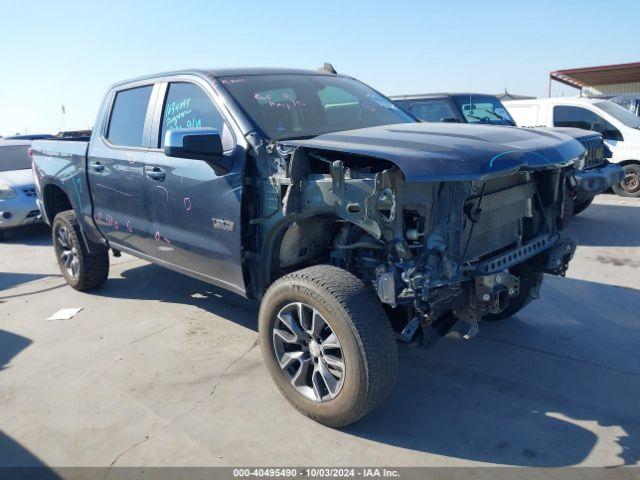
pixel 155 173
pixel 96 166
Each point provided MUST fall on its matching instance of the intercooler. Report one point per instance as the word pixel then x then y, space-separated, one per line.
pixel 497 223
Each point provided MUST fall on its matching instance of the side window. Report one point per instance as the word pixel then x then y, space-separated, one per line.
pixel 126 123
pixel 432 111
pixel 578 117
pixel 188 106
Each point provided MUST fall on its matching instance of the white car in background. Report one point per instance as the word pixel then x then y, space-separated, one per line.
pixel 17 186
pixel 619 127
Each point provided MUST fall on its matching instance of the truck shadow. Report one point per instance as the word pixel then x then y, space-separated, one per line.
pixel 540 389
pixel 36 235
pixel 18 463
pixel 606 226
pixel 543 389
pixel 12 453
pixel 12 279
pixel 152 282
pixel 10 345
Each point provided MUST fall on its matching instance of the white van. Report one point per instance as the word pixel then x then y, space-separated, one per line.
pixel 619 127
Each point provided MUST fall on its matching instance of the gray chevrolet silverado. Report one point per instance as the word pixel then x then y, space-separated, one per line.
pixel 353 224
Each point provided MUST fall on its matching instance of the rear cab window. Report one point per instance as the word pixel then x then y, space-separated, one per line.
pixel 128 114
pixel 188 106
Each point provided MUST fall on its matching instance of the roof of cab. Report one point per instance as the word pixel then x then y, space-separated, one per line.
pixel 227 72
pixel 422 96
pixel 555 101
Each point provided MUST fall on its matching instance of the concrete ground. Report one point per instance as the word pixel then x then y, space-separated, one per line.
pixel 159 369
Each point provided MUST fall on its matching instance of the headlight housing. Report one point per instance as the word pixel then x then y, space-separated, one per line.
pixel 6 192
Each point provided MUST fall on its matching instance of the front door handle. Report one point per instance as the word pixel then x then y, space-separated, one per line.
pixel 155 173
pixel 97 166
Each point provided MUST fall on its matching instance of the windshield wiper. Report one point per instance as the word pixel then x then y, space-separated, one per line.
pixel 497 115
pixel 474 116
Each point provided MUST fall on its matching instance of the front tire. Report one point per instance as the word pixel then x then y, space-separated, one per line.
pixel 83 270
pixel 327 344
pixel 579 207
pixel 630 185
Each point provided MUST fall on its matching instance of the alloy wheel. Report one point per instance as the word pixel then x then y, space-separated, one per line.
pixel 308 352
pixel 68 253
pixel 631 183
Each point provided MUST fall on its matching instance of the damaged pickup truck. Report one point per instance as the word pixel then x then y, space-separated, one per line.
pixel 354 224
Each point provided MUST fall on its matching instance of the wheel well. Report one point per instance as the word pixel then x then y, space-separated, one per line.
pixel 302 240
pixel 629 162
pixel 55 201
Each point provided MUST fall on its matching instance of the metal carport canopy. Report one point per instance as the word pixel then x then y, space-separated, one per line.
pixel 604 75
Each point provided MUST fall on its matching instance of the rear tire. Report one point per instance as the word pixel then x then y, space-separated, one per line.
pixel 529 283
pixel 342 305
pixel 630 185
pixel 580 207
pixel 83 270
pixel 2 235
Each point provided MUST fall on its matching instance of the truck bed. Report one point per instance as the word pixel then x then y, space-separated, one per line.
pixel 62 163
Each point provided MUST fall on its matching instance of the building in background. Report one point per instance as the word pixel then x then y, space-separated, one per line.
pixel 607 80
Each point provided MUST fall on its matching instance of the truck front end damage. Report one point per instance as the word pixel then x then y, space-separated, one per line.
pixel 446 254
pixel 441 251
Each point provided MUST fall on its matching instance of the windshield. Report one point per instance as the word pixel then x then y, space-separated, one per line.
pixel 629 102
pixel 620 113
pixel 295 106
pixel 14 157
pixel 483 109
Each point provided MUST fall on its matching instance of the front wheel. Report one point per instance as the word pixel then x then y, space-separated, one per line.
pixel 529 285
pixel 82 269
pixel 630 184
pixel 579 207
pixel 327 344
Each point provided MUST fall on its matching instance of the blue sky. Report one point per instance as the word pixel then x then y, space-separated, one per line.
pixel 68 52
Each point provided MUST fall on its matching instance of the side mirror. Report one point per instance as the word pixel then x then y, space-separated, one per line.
pixel 195 143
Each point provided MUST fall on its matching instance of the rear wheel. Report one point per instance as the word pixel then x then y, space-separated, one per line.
pixel 328 344
pixel 630 184
pixel 1 235
pixel 82 269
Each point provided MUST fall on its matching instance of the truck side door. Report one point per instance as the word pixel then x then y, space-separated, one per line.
pixel 115 167
pixel 194 205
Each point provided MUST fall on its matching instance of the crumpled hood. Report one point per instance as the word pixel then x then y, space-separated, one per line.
pixel 444 151
pixel 18 178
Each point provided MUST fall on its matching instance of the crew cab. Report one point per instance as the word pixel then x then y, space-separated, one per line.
pixel 353 224
pixel 594 175
pixel 619 127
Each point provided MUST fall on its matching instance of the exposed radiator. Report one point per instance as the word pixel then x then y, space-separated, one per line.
pixel 498 223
